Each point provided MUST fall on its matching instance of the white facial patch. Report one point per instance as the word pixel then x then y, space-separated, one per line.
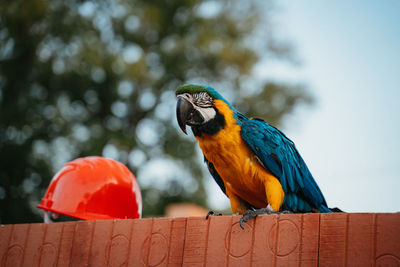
pixel 201 102
pixel 207 113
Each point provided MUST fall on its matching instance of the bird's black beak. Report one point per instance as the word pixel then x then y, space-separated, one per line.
pixel 187 114
pixel 183 110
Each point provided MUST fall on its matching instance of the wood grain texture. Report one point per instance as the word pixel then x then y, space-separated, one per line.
pixel 195 241
pixel 217 250
pixel 67 238
pixel 100 250
pixel 332 239
pixel 34 245
pixel 177 242
pixel 340 239
pixel 81 244
pixel 16 245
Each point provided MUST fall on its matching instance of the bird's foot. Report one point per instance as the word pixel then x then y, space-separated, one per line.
pixel 248 214
pixel 285 212
pixel 212 213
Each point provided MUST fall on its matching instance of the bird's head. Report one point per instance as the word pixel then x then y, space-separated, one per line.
pixel 195 105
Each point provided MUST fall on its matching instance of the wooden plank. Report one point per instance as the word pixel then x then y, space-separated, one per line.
pixel 140 240
pixel 5 237
pixel 159 242
pixel 67 238
pixel 99 253
pixel 50 250
pixel 195 242
pixel 387 250
pixel 264 248
pixel 309 244
pixel 218 240
pixel 119 243
pixel 33 245
pixel 273 240
pixel 82 243
pixel 240 242
pixel 16 245
pixel 288 243
pixel 177 241
pixel 360 240
pixel 333 231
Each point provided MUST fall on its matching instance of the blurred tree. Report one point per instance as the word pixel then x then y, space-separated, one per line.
pixel 81 78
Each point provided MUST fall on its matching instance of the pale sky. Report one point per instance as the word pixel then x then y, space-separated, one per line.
pixel 350 55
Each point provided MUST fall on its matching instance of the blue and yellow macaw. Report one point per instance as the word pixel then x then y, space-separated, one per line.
pixel 254 163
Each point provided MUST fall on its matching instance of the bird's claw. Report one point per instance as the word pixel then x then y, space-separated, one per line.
pixel 212 213
pixel 285 212
pixel 248 214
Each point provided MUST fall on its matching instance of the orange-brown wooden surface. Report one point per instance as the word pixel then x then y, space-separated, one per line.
pixel 346 239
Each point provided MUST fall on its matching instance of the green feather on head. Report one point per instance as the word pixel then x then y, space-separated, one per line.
pixel 196 88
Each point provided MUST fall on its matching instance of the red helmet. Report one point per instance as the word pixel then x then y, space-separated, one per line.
pixel 94 188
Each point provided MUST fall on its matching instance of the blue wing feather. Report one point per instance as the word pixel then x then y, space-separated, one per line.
pixel 280 157
pixel 215 175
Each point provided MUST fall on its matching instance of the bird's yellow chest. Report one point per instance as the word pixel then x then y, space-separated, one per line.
pixel 234 161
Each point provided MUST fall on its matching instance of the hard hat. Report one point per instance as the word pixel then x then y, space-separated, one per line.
pixel 93 188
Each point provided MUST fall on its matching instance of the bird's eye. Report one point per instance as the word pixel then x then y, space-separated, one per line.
pixel 187 95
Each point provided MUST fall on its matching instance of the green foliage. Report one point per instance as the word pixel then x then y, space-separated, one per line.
pixel 80 78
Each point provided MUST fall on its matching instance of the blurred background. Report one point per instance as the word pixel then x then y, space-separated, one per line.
pixel 81 78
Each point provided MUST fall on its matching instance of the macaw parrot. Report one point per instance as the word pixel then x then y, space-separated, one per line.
pixel 257 167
